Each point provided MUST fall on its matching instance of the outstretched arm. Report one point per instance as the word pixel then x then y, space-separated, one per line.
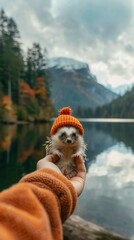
pixel 35 207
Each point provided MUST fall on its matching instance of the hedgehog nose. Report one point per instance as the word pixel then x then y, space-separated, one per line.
pixel 69 141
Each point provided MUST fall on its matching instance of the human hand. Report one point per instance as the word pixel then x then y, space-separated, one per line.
pixel 48 162
pixel 78 181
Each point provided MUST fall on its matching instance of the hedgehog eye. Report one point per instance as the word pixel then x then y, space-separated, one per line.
pixel 74 135
pixel 63 135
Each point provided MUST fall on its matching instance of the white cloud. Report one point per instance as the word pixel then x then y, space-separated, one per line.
pixel 98 32
pixel 116 165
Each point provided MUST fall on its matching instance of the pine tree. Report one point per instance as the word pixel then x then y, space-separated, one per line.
pixel 34 64
pixel 11 59
pixel 35 67
pixel 24 83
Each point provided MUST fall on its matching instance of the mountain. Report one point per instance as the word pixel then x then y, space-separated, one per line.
pixel 122 89
pixel 65 63
pixel 122 107
pixel 73 84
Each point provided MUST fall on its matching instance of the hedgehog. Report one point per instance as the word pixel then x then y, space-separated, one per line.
pixel 66 140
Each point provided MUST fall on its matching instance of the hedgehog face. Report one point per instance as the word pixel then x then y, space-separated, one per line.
pixel 67 136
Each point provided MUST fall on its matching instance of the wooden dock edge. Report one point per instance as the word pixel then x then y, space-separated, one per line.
pixel 76 228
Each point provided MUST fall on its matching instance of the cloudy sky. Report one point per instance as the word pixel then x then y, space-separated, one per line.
pixel 98 32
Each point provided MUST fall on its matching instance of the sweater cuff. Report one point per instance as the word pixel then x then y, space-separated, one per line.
pixel 59 185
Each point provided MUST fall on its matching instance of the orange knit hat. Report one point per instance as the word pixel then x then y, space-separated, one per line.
pixel 64 119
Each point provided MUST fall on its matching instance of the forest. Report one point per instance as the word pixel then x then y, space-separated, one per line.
pixel 122 107
pixel 24 83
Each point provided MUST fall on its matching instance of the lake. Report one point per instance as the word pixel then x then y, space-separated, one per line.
pixel 108 196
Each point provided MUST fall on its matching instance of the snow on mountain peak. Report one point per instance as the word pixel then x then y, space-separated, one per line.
pixel 65 63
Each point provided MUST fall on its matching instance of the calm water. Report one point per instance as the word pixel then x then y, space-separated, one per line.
pixel 108 197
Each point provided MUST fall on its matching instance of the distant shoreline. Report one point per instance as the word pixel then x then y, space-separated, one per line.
pixel 22 122
pixel 101 120
pixel 120 120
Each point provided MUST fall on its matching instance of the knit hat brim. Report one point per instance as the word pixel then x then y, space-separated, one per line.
pixel 65 119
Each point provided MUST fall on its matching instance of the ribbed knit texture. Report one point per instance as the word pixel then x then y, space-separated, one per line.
pixel 34 208
pixel 65 119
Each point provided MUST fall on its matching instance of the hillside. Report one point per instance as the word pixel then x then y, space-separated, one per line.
pixel 73 84
pixel 122 107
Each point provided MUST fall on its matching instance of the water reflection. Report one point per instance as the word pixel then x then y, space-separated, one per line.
pixel 109 191
pixel 20 148
pixel 108 196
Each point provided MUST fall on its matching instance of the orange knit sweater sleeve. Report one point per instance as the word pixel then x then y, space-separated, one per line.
pixel 35 208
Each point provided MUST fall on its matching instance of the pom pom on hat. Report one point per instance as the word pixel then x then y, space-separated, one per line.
pixel 65 119
pixel 65 111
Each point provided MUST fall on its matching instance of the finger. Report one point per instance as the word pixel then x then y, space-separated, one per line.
pixel 50 158
pixel 47 162
pixel 79 180
pixel 81 169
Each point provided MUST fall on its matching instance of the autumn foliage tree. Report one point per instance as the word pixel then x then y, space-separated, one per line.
pixel 23 78
pixel 7 112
